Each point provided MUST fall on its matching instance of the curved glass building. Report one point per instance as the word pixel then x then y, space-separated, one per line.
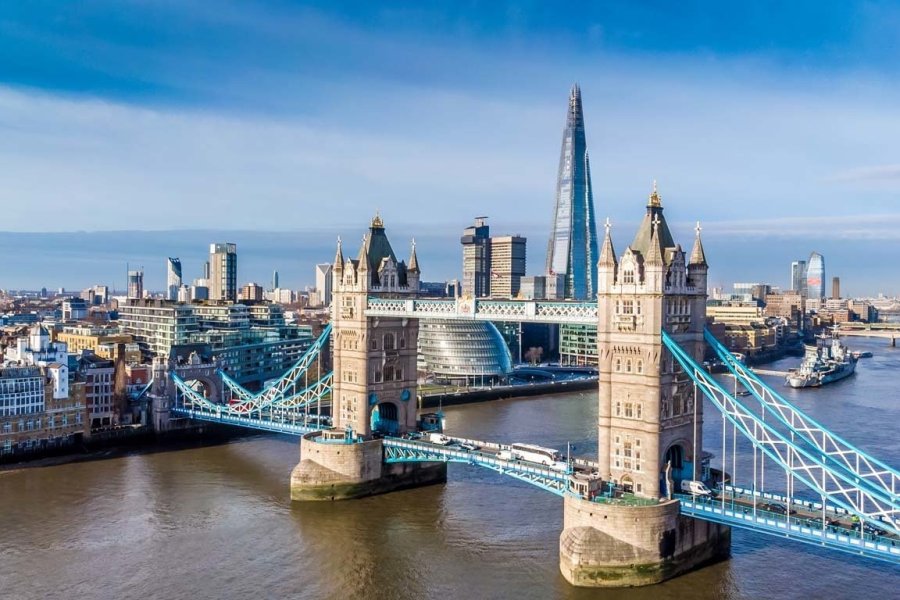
pixel 463 352
pixel 815 276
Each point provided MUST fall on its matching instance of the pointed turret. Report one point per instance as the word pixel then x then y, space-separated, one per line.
pixel 363 257
pixel 698 256
pixel 654 213
pixel 413 259
pixel 338 257
pixel 607 252
pixel 655 251
pixel 606 266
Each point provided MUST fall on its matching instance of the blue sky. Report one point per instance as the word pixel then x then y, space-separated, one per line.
pixel 774 123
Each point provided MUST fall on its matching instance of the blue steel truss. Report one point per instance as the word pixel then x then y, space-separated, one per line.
pixel 284 389
pixel 800 461
pixel 398 450
pixel 794 528
pixel 870 471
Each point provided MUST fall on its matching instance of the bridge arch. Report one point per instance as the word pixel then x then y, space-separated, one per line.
pixel 385 418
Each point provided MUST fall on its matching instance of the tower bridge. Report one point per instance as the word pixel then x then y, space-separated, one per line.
pixel 627 518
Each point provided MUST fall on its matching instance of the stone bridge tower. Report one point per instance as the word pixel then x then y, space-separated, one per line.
pixel 374 389
pixel 647 411
pixel 649 427
pixel 374 359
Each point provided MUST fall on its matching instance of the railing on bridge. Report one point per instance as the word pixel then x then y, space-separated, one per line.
pixel 524 311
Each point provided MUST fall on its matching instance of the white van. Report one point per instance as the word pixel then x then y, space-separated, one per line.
pixel 438 438
pixel 695 488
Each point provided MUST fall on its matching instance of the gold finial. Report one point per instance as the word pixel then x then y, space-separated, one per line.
pixel 377 222
pixel 654 196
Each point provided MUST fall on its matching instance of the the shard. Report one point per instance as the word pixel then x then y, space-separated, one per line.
pixel 572 250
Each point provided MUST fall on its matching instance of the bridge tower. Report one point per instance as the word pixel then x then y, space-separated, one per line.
pixel 649 425
pixel 374 390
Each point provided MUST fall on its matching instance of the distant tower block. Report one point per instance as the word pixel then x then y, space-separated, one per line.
pixel 374 380
pixel 649 426
pixel 835 287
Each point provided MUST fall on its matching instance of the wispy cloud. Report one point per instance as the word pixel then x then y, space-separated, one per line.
pixel 868 174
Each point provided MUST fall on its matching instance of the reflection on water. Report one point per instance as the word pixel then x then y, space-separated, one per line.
pixel 217 522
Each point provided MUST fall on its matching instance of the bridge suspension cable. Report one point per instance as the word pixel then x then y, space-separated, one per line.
pixel 816 471
pixel 870 470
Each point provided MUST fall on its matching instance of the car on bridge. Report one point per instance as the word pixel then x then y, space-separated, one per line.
pixel 776 508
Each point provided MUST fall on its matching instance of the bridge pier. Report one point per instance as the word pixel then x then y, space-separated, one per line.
pixel 618 545
pixel 331 468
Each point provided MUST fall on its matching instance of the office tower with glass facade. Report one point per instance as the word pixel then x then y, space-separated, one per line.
pixel 476 243
pixel 835 287
pixel 173 278
pixel 815 276
pixel 507 265
pixel 798 277
pixel 223 272
pixel 323 284
pixel 275 280
pixel 572 249
pixel 136 283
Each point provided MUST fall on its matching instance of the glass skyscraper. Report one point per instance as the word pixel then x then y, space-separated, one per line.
pixel 815 276
pixel 572 250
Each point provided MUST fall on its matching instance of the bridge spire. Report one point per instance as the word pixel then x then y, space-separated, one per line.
pixel 413 259
pixel 698 256
pixel 654 253
pixel 607 252
pixel 338 257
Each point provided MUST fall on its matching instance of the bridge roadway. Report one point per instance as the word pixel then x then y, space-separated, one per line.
pixel 734 506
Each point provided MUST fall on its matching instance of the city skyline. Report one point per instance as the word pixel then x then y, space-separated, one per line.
pixel 772 136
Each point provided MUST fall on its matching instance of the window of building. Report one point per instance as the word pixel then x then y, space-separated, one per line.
pixel 618 366
pixel 639 367
pixel 628 276
pixel 628 366
pixel 628 307
pixel 374 344
pixel 389 341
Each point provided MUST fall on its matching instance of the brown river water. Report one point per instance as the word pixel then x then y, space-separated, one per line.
pixel 217 522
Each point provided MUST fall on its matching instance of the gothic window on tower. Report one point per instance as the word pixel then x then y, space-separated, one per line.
pixel 388 373
pixel 628 365
pixel 639 367
pixel 628 276
pixel 618 364
pixel 617 452
pixel 388 341
pixel 374 344
pixel 628 307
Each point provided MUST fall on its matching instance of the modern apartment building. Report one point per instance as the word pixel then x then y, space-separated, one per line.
pixel 476 243
pixel 223 272
pixel 507 265
pixel 173 278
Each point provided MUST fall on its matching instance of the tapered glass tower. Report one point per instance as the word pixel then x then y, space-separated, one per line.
pixel 572 250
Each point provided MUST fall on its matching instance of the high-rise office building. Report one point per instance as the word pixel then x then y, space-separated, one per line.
pixel 136 283
pixel 476 242
pixel 275 280
pixel 572 249
pixel 507 265
pixel 798 277
pixel 835 287
pixel 223 272
pixel 323 284
pixel 173 278
pixel 815 276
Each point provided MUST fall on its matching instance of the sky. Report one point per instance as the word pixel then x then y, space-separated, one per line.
pixel 772 123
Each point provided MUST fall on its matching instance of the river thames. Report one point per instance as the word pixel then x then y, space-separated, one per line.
pixel 216 522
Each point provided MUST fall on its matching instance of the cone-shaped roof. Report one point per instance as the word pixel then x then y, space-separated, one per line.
pixel 338 256
pixel 654 255
pixel 641 241
pixel 607 252
pixel 698 256
pixel 413 260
